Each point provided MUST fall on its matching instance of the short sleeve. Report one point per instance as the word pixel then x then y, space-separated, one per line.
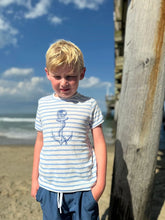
pixel 96 116
pixel 38 123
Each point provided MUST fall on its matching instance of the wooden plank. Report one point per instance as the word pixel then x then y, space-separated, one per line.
pixel 119 36
pixel 118 75
pixel 140 110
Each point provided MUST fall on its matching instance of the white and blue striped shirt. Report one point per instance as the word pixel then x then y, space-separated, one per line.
pixel 67 159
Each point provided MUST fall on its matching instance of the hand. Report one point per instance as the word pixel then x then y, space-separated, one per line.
pixel 97 192
pixel 34 188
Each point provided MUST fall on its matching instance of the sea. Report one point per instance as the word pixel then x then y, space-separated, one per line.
pixel 18 129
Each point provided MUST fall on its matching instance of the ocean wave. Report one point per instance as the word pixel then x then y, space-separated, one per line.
pixel 8 119
pixel 18 134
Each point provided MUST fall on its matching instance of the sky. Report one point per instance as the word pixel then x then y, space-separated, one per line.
pixel 29 27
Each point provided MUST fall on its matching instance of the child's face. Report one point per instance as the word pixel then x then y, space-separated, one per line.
pixel 65 81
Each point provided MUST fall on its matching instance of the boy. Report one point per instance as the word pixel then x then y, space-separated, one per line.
pixel 68 174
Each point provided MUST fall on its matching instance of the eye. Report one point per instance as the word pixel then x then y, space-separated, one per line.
pixel 70 78
pixel 57 77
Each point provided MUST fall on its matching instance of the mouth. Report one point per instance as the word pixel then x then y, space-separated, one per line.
pixel 64 90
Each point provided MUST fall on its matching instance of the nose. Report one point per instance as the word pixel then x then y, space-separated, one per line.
pixel 64 82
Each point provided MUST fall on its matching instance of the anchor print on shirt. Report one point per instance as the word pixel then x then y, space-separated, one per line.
pixel 61 119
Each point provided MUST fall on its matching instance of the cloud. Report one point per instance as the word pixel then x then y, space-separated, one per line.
pixel 24 91
pixel 93 82
pixel 8 33
pixel 55 20
pixel 25 86
pixel 42 6
pixel 82 4
pixel 17 72
pixel 40 9
pixel 7 3
pixel 27 90
pixel 25 10
pixel 4 3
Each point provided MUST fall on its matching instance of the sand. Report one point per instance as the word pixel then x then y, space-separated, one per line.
pixel 15 184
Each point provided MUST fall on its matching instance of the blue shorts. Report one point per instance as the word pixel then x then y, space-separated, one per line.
pixel 74 206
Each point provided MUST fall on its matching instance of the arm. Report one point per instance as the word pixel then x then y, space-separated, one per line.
pixel 36 159
pixel 101 160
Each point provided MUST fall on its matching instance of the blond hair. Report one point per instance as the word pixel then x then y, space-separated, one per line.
pixel 63 53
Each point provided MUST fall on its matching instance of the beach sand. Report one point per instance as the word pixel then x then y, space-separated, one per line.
pixel 15 184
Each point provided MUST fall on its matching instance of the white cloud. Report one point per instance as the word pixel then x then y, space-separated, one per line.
pixel 93 82
pixel 42 6
pixel 55 20
pixel 25 9
pixel 29 89
pixel 25 86
pixel 82 4
pixel 26 91
pixel 40 9
pixel 89 82
pixel 6 3
pixel 18 72
pixel 8 33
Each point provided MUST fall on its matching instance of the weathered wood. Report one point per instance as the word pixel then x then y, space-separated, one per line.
pixel 119 24
pixel 119 10
pixel 140 110
pixel 118 75
pixel 119 36
pixel 119 63
pixel 118 85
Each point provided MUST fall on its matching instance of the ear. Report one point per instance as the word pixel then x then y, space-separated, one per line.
pixel 47 73
pixel 82 74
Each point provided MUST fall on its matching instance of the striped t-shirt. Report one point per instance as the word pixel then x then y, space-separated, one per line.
pixel 67 159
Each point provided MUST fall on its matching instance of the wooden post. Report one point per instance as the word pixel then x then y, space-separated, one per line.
pixel 140 110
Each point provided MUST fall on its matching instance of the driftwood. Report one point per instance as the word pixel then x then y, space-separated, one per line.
pixel 140 110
